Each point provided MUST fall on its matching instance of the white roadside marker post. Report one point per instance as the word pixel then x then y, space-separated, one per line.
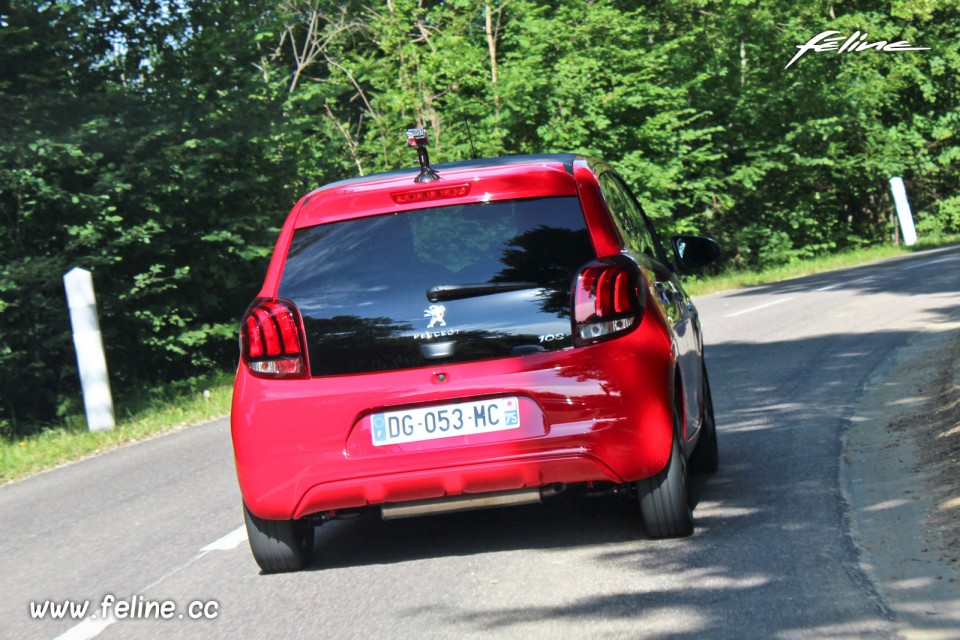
pixel 88 342
pixel 903 211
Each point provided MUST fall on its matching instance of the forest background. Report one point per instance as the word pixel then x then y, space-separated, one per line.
pixel 161 143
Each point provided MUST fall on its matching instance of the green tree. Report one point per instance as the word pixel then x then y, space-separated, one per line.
pixel 161 143
pixel 137 145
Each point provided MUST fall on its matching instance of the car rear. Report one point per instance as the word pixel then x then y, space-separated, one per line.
pixel 418 345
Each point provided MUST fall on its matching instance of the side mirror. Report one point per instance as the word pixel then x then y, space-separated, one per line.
pixel 693 252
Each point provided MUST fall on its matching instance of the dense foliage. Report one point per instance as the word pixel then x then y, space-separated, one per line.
pixel 160 143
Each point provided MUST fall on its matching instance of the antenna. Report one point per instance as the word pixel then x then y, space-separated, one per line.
pixel 418 138
pixel 473 149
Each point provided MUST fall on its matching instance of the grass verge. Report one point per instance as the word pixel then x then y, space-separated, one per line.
pixel 161 410
pixel 841 260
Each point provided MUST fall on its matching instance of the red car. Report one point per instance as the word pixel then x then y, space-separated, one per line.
pixel 477 334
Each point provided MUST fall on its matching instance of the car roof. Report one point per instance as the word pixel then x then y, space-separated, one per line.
pixel 469 181
pixel 563 159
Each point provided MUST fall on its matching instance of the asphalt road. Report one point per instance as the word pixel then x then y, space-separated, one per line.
pixel 772 556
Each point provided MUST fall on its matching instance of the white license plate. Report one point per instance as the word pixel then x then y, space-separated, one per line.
pixel 445 421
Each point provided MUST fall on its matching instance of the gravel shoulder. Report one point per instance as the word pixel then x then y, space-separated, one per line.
pixel 901 476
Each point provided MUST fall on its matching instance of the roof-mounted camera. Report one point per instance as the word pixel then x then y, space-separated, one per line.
pixel 418 138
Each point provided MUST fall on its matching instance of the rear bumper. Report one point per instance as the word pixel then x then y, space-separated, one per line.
pixel 601 413
pixel 479 478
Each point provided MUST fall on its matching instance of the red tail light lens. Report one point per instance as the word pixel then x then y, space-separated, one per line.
pixel 271 339
pixel 606 300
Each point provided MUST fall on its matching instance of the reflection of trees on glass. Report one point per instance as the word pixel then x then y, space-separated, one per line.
pixel 479 232
pixel 351 344
pixel 549 256
pixel 475 345
pixel 304 240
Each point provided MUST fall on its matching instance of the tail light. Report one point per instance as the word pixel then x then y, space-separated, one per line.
pixel 607 300
pixel 271 339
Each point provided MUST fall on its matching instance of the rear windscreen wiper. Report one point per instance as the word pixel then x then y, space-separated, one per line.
pixel 460 291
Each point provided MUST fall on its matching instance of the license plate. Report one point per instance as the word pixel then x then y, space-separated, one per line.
pixel 445 421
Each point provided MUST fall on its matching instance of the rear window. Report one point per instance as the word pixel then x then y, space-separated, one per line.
pixel 375 292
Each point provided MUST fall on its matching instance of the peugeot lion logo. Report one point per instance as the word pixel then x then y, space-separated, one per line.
pixel 435 313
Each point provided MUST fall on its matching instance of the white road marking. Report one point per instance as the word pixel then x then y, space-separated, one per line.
pixel 93 626
pixel 87 629
pixel 929 262
pixel 840 284
pixel 230 541
pixel 757 308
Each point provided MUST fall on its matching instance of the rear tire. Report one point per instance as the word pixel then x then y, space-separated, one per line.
pixel 706 456
pixel 664 506
pixel 279 545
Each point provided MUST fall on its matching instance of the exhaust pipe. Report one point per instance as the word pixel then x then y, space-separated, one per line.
pixel 469 502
